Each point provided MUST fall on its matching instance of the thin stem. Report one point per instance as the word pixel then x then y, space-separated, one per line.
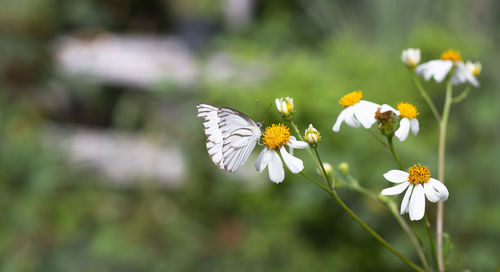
pixel 441 160
pixel 431 240
pixel 393 151
pixel 427 98
pixel 377 138
pixel 462 96
pixel 381 240
pixel 404 225
pixel 325 175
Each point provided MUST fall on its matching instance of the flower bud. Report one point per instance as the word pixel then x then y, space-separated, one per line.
pixel 343 168
pixel 312 135
pixel 474 67
pixel 328 168
pixel 411 57
pixel 285 106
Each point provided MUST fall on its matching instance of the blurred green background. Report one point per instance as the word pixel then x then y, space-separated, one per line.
pixel 102 159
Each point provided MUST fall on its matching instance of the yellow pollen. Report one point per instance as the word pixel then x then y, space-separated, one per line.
pixel 351 98
pixel 276 136
pixel 451 55
pixel 419 174
pixel 407 110
pixel 289 107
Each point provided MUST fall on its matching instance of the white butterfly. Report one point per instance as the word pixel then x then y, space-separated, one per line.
pixel 231 136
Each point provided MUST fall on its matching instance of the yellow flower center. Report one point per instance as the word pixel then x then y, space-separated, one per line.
pixel 407 110
pixel 276 136
pixel 476 70
pixel 351 98
pixel 419 174
pixel 451 55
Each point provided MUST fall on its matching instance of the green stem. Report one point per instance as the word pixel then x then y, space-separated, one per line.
pixel 325 175
pixel 394 211
pixel 377 138
pixel 441 164
pixel 462 96
pixel 427 98
pixel 381 240
pixel 431 240
pixel 393 151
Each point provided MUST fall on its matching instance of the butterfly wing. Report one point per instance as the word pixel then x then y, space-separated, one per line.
pixel 231 136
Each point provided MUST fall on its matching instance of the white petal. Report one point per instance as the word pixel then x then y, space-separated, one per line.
pixel 350 120
pixel 439 186
pixel 278 104
pixel 406 200
pixel 394 190
pixel 417 203
pixel 396 176
pixel 297 144
pixel 438 69
pixel 403 130
pixel 340 119
pixel 294 164
pixel 263 159
pixel 442 70
pixel 431 193
pixel 386 107
pixel 284 108
pixel 276 171
pixel 414 126
pixel 468 75
pixel 365 112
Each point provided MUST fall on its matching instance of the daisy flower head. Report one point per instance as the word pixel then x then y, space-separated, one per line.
pixel 419 185
pixel 411 57
pixel 439 69
pixel 408 114
pixel 474 67
pixel 356 112
pixel 284 106
pixel 275 137
pixel 312 135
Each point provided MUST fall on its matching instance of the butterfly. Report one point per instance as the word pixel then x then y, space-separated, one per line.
pixel 231 136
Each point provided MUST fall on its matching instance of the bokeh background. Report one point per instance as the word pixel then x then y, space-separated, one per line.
pixel 102 159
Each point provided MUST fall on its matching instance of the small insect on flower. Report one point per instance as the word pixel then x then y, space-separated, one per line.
pixel 420 185
pixel 356 112
pixel 231 136
pixel 411 57
pixel 439 69
pixel 312 135
pixel 284 106
pixel 275 138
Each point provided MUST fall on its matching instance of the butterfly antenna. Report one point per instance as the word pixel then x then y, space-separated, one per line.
pixel 264 113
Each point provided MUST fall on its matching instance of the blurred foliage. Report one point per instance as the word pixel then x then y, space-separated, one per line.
pixel 58 217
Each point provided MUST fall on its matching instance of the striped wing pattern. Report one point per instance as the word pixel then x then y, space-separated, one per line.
pixel 231 136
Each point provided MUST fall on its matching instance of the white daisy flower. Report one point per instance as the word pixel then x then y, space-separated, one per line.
pixel 474 67
pixel 284 105
pixel 275 138
pixel 420 185
pixel 312 135
pixel 439 69
pixel 356 112
pixel 411 57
